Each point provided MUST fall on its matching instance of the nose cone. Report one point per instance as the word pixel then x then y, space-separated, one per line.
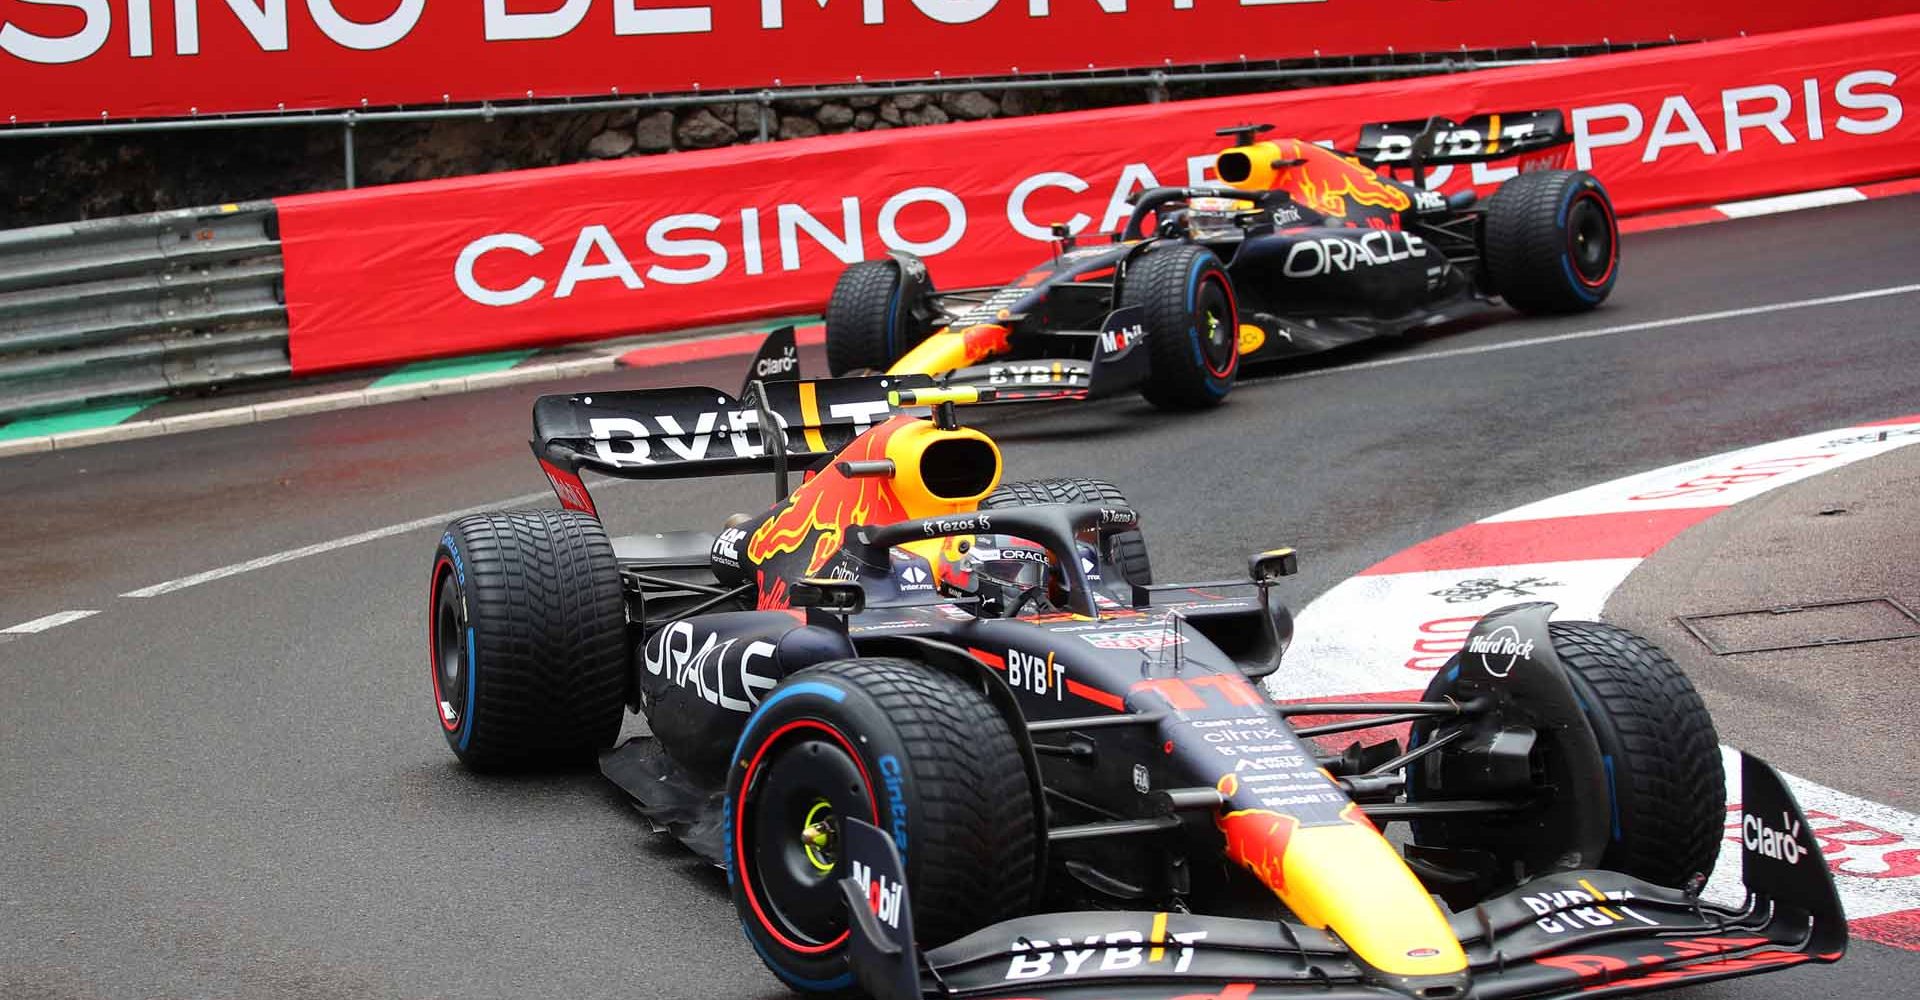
pixel 1343 876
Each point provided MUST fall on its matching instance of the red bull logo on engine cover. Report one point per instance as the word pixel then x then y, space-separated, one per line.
pixel 1326 182
pixel 817 514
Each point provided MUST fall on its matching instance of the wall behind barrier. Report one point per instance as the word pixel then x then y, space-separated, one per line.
pixel 89 59
pixel 687 239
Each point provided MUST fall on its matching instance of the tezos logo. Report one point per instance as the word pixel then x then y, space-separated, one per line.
pixel 979 523
pixel 1780 845
pixel 1505 642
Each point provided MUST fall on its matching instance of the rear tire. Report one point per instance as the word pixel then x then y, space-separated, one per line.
pixel 526 632
pixel 901 745
pixel 1667 787
pixel 1127 550
pixel 870 322
pixel 1551 242
pixel 1193 326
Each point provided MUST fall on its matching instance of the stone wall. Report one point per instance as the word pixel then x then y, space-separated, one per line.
pixel 56 179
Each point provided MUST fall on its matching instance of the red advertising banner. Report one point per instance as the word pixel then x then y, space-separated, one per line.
pixel 689 239
pixel 69 60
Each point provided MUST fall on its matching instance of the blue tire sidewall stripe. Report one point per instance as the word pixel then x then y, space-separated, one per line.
pixel 473 681
pixel 827 691
pixel 1579 287
pixel 1215 384
pixel 841 981
pixel 818 689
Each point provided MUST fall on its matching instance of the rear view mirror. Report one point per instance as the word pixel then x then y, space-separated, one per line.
pixel 1269 566
pixel 833 596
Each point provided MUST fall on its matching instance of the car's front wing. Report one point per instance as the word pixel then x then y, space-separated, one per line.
pixel 1574 933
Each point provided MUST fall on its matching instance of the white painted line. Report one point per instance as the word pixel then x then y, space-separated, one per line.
pixel 1791 202
pixel 1605 331
pixel 318 548
pixel 54 620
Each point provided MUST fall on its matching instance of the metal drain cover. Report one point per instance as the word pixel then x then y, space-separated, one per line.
pixel 1804 626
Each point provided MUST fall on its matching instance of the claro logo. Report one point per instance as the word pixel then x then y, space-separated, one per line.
pixel 1781 844
pixel 1804 113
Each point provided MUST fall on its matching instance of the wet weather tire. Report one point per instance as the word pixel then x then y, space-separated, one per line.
pixel 871 322
pixel 1669 790
pixel 1667 786
pixel 1551 242
pixel 914 751
pixel 1192 325
pixel 526 632
pixel 1127 550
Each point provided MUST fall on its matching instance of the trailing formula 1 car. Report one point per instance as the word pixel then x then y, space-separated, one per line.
pixel 1300 248
pixel 949 739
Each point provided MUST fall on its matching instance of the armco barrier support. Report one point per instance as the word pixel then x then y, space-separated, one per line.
pixel 141 305
pixel 551 256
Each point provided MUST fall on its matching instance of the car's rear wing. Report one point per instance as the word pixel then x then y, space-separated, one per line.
pixel 1440 141
pixel 691 431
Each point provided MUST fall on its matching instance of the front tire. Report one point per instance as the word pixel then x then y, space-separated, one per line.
pixel 871 319
pixel 1665 780
pixel 898 744
pixel 1551 242
pixel 1192 325
pixel 526 634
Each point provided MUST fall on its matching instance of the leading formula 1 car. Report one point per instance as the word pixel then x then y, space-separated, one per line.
pixel 1300 248
pixel 948 740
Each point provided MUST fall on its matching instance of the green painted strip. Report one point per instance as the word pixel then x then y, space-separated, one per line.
pixel 427 371
pixel 73 420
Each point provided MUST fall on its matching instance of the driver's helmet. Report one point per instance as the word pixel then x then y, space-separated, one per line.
pixel 1216 218
pixel 999 568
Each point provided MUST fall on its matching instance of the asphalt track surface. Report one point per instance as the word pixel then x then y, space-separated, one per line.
pixel 237 789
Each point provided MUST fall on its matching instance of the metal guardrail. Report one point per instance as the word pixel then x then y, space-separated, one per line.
pixel 139 306
pixel 1153 82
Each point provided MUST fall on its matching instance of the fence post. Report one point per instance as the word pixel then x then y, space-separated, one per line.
pixel 1157 89
pixel 347 142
